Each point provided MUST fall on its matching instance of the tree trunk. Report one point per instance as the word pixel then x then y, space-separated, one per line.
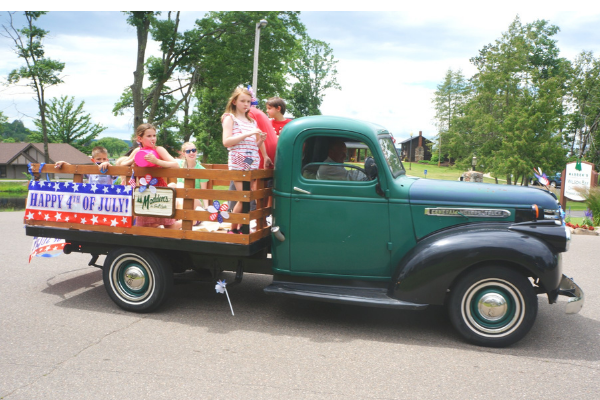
pixel 142 28
pixel 42 106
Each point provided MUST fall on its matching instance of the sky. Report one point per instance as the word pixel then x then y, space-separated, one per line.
pixel 390 62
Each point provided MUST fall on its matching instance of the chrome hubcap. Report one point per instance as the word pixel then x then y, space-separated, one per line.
pixel 134 278
pixel 492 306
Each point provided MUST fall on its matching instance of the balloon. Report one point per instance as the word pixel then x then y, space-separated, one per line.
pixel 264 124
pixel 140 161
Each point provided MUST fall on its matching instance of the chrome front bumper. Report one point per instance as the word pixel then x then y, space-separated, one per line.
pixel 570 289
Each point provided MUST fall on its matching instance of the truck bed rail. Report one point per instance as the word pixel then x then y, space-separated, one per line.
pixel 217 174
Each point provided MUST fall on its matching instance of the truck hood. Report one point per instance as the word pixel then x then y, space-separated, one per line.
pixel 455 193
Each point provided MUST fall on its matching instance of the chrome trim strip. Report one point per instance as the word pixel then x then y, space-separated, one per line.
pixel 468 212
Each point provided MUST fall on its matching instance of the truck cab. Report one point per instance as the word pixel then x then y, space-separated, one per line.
pixel 390 240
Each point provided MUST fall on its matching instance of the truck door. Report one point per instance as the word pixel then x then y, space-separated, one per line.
pixel 339 224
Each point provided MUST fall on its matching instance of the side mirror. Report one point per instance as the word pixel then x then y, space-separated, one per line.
pixel 371 168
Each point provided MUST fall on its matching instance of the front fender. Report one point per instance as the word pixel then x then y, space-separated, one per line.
pixel 426 273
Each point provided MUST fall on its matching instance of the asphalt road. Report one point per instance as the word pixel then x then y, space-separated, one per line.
pixel 61 337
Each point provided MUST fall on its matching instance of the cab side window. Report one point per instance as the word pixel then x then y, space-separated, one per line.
pixel 328 158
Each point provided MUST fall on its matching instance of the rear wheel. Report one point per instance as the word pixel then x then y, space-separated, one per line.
pixel 553 184
pixel 137 280
pixel 493 306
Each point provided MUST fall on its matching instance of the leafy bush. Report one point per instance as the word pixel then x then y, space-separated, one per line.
pixel 592 201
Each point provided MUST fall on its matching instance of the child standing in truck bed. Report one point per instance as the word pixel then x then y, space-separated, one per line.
pixel 242 138
pixel 276 111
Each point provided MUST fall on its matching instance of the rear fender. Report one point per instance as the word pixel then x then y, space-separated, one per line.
pixel 426 273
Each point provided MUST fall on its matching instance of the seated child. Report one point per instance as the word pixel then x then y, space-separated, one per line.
pixel 146 137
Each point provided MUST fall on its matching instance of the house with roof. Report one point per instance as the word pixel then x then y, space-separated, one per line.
pixel 416 148
pixel 14 157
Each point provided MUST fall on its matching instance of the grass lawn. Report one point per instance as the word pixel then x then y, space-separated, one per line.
pixel 14 187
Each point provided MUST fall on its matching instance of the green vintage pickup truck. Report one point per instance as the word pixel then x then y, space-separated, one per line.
pixel 369 236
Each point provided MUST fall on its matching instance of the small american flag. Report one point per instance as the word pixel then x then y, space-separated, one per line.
pixel 132 180
pixel 242 160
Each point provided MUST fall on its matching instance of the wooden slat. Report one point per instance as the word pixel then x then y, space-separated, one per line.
pixel 232 195
pixel 259 234
pixel 216 172
pixel 262 173
pixel 221 237
pixel 260 213
pixel 188 204
pixel 229 195
pixel 239 218
pixel 260 194
pixel 260 203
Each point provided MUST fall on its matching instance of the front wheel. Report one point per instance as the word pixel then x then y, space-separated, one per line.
pixel 553 184
pixel 137 280
pixel 493 306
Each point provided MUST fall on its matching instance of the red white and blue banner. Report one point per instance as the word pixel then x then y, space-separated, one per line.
pixel 46 247
pixel 80 203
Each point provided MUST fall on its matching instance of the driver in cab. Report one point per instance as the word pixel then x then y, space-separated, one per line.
pixel 337 154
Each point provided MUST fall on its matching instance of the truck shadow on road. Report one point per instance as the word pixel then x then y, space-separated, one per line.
pixel 555 335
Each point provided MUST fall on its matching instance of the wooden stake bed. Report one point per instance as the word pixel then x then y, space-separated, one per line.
pixel 217 174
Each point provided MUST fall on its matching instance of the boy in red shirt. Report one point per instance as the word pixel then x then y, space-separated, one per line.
pixel 276 110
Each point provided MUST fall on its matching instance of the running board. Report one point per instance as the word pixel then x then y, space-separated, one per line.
pixel 371 297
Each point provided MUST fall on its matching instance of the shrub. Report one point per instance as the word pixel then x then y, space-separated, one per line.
pixel 592 201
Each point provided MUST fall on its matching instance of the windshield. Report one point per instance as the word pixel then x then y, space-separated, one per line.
pixel 391 156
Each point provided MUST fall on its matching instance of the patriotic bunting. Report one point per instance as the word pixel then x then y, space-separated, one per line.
pixel 81 203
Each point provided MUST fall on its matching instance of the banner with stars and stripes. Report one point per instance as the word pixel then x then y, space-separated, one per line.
pixel 46 247
pixel 80 203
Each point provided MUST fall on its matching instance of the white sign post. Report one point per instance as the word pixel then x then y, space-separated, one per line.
pixel 576 180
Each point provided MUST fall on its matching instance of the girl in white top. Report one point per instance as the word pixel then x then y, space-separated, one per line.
pixel 242 138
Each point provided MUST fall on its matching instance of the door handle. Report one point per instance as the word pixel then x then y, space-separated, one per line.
pixel 297 189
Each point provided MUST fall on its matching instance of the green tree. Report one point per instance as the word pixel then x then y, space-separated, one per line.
pixel 181 52
pixel 449 101
pixel 228 62
pixel 3 120
pixel 167 134
pixel 584 100
pixel 314 69
pixel 39 71
pixel 514 118
pixel 15 130
pixel 115 147
pixel 68 123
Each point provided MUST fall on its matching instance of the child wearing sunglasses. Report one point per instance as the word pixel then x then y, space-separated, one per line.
pixel 189 160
